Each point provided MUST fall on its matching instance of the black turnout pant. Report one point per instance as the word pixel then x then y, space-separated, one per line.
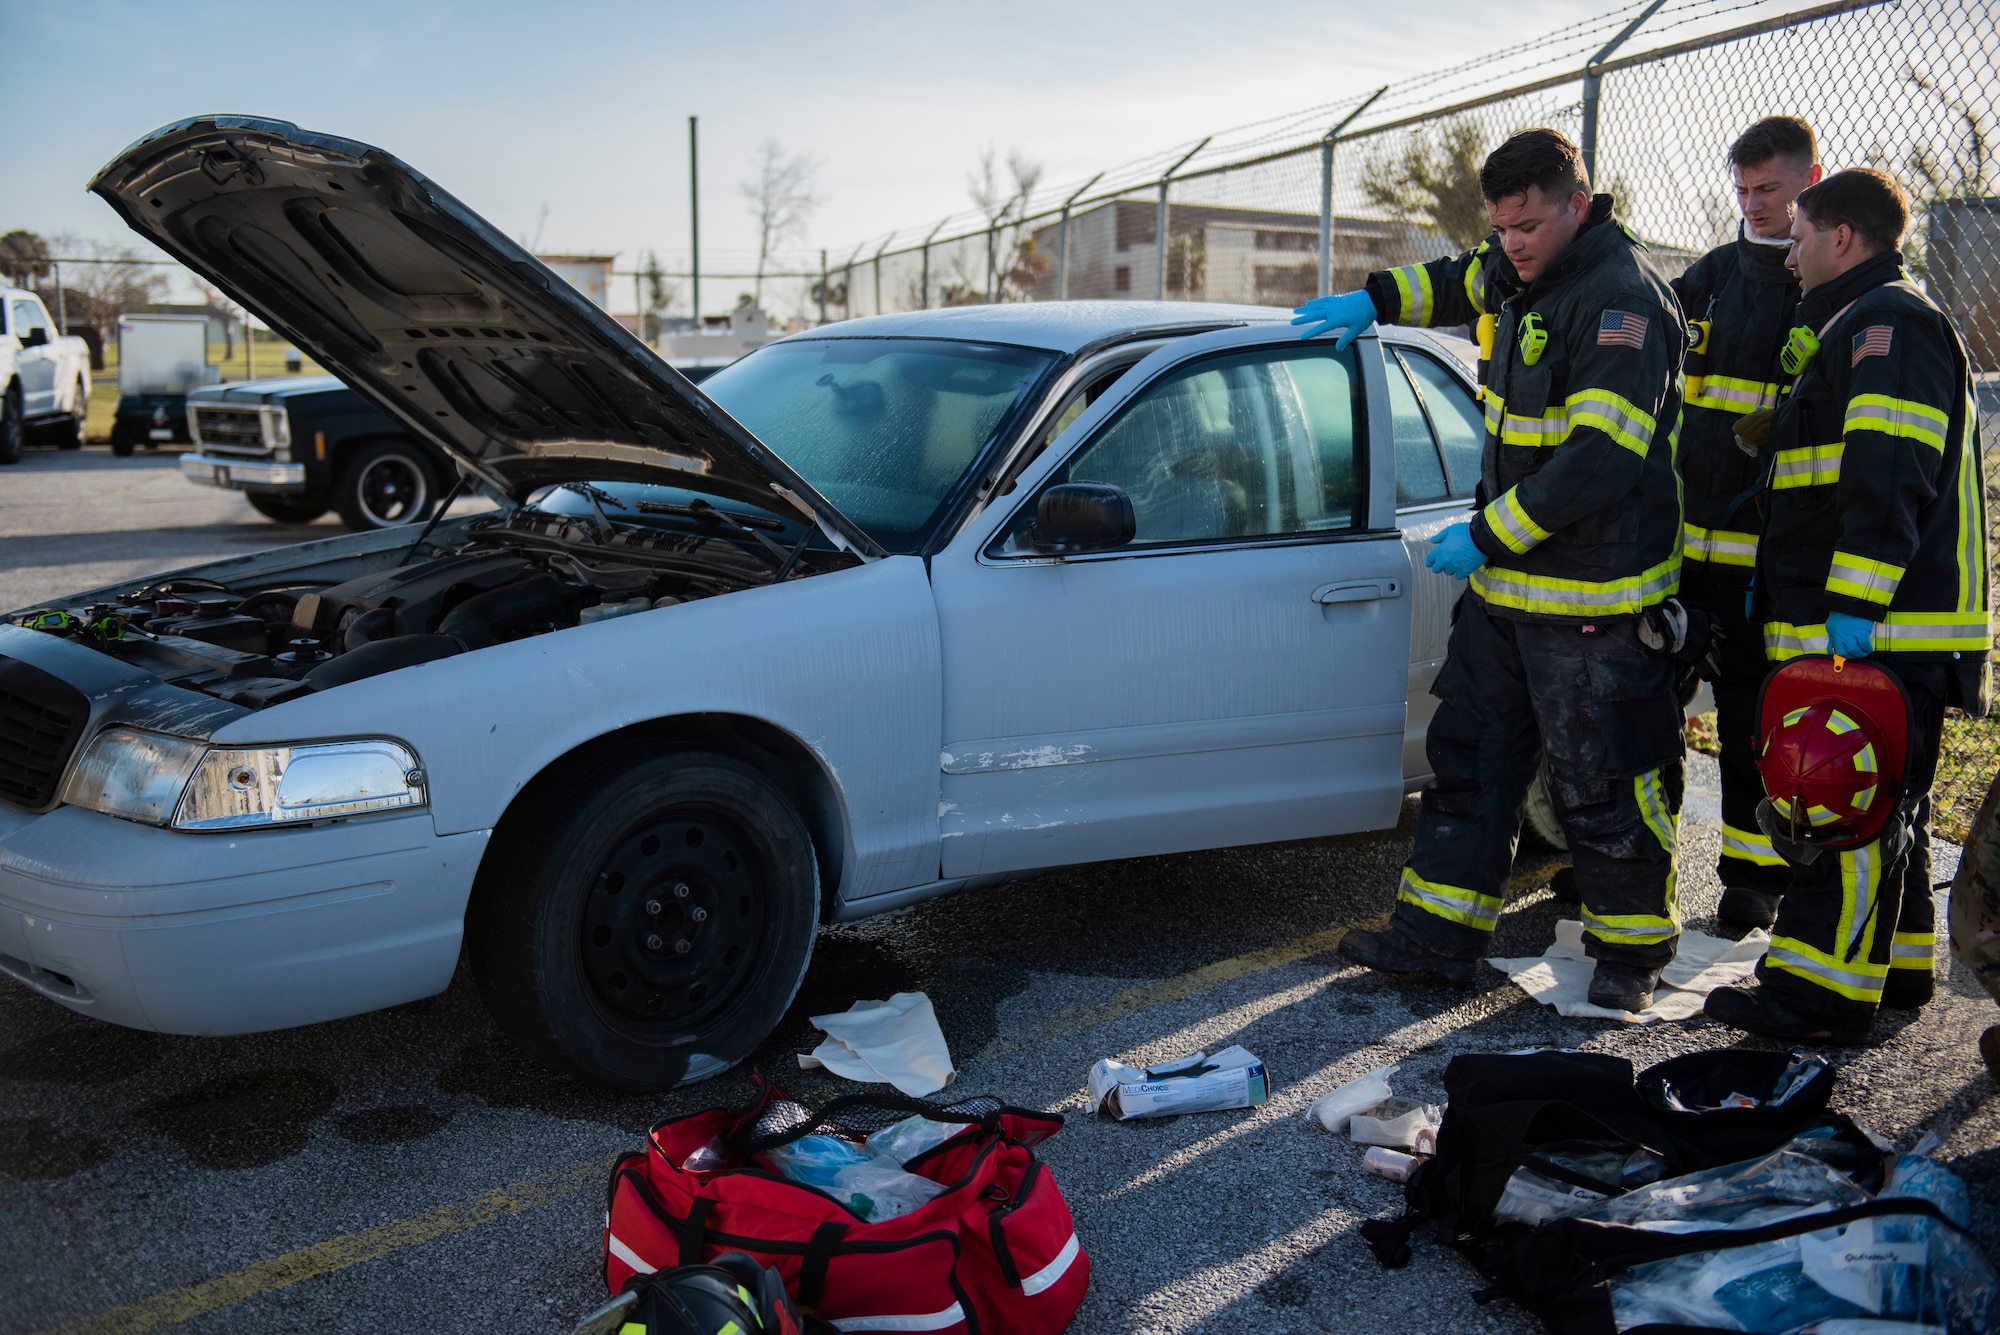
pixel 1850 918
pixel 1602 707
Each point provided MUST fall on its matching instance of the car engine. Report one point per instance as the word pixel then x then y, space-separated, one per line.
pixel 480 582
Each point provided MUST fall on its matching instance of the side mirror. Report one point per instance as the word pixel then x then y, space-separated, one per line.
pixel 1083 517
pixel 35 337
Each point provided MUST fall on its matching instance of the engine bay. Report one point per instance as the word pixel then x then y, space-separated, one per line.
pixel 479 582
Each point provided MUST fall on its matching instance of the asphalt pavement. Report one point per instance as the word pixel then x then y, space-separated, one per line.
pixel 408 1170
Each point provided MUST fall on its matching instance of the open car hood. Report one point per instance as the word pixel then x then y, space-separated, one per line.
pixel 430 311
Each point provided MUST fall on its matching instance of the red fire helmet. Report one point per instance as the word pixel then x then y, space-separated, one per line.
pixel 1832 742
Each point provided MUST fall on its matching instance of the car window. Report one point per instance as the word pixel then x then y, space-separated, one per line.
pixel 27 315
pixel 884 428
pixel 1247 445
pixel 1454 418
pixel 1419 475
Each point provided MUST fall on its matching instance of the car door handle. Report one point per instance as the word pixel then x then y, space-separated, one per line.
pixel 1358 591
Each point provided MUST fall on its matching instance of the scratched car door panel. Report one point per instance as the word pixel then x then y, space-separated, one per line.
pixel 1234 675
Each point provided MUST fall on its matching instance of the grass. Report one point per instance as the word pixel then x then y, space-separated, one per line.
pixel 269 364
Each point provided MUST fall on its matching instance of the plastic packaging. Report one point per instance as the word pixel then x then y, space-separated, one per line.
pixel 1794 1078
pixel 871 1185
pixel 1380 1161
pixel 708 1158
pixel 1396 1123
pixel 1336 1109
pixel 1569 1177
pixel 912 1136
pixel 1889 1272
pixel 1231 1078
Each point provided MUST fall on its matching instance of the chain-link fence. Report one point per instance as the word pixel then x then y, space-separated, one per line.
pixel 1274 213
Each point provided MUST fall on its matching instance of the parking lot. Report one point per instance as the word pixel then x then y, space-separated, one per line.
pixel 406 1170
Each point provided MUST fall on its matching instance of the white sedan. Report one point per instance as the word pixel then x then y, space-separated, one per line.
pixel 885 610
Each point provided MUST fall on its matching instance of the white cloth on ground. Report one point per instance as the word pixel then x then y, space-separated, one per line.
pixel 1560 976
pixel 894 1042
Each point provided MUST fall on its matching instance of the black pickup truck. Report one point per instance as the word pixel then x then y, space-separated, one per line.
pixel 297 448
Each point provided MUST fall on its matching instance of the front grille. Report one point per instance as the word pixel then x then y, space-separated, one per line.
pixel 227 430
pixel 41 719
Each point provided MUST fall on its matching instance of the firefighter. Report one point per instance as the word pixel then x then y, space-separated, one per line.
pixel 1572 557
pixel 1739 300
pixel 1873 547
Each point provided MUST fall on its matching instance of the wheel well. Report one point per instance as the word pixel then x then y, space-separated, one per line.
pixel 771 751
pixel 343 448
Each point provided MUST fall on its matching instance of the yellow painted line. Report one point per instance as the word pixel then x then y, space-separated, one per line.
pixel 335 1254
pixel 1134 999
pixel 351 1249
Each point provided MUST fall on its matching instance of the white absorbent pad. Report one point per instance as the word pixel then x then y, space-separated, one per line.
pixel 894 1042
pixel 1560 976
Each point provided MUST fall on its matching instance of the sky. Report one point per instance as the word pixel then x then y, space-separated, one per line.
pixel 566 125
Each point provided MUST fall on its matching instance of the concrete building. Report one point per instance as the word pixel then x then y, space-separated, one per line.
pixel 1265 257
pixel 588 274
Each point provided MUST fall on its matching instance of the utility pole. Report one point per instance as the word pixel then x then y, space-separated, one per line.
pixel 1160 258
pixel 1326 191
pixel 249 348
pixel 694 220
pixel 1593 83
pixel 1062 238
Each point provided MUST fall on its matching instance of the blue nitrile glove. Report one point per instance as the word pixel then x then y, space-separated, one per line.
pixel 1849 636
pixel 1349 312
pixel 1454 553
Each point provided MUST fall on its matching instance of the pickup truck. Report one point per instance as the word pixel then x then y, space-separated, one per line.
pixel 299 447
pixel 46 378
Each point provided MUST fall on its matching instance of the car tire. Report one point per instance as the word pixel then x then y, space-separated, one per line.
pixel 650 929
pixel 1539 817
pixel 284 510
pixel 122 441
pixel 13 426
pixel 385 485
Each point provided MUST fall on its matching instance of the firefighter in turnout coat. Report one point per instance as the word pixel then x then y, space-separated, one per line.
pixel 1739 301
pixel 1573 551
pixel 1874 546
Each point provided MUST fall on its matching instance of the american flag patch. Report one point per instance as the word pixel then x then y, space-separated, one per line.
pixel 1872 342
pixel 1621 329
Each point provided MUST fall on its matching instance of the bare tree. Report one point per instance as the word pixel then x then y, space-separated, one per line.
pixel 661 292
pixel 115 280
pixel 781 199
pixel 999 202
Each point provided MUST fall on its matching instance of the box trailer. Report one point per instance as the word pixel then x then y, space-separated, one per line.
pixel 160 358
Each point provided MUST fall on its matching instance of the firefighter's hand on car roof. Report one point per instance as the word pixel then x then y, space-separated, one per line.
pixel 1849 636
pixel 1348 312
pixel 1454 553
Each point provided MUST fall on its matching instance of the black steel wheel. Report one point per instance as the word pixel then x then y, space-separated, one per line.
pixel 384 485
pixel 13 426
pixel 650 932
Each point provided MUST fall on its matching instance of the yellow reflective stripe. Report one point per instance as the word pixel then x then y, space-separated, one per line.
pixel 1631 929
pixel 1751 846
pixel 1616 416
pixel 1971 552
pixel 1512 524
pixel 1718 546
pixel 1857 980
pixel 1413 287
pixel 1473 287
pixel 1730 394
pixel 730 1327
pixel 1449 901
pixel 632 1328
pixel 1897 417
pixel 1902 632
pixel 1512 429
pixel 1518 589
pixel 1806 466
pixel 1859 577
pixel 1913 950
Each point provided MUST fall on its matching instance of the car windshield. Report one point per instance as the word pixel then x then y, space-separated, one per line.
pixel 882 427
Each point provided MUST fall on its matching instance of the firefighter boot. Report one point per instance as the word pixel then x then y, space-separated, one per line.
pixel 1398 951
pixel 1622 987
pixel 1757 1010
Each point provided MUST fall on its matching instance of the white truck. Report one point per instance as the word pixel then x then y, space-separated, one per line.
pixel 46 378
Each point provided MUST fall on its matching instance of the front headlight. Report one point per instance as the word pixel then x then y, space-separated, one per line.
pixel 277 429
pixel 166 780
